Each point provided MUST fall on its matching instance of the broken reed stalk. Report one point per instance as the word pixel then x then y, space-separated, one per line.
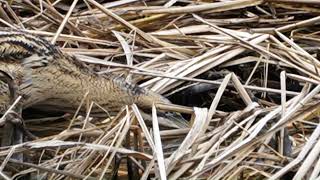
pixel 205 54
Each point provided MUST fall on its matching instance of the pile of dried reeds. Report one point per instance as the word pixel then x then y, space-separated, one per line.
pixel 251 65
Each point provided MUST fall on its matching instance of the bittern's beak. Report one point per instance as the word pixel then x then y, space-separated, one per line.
pixel 175 119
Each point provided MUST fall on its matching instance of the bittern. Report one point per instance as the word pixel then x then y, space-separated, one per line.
pixel 50 78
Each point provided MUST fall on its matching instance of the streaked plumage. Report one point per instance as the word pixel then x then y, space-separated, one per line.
pixel 49 78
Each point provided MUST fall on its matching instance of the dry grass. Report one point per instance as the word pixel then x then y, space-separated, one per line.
pixel 258 119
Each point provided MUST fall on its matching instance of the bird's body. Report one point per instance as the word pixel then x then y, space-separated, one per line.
pixel 47 77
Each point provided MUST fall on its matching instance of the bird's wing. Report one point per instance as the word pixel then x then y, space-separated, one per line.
pixel 29 50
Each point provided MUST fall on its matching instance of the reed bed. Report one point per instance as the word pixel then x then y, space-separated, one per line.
pixel 244 73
